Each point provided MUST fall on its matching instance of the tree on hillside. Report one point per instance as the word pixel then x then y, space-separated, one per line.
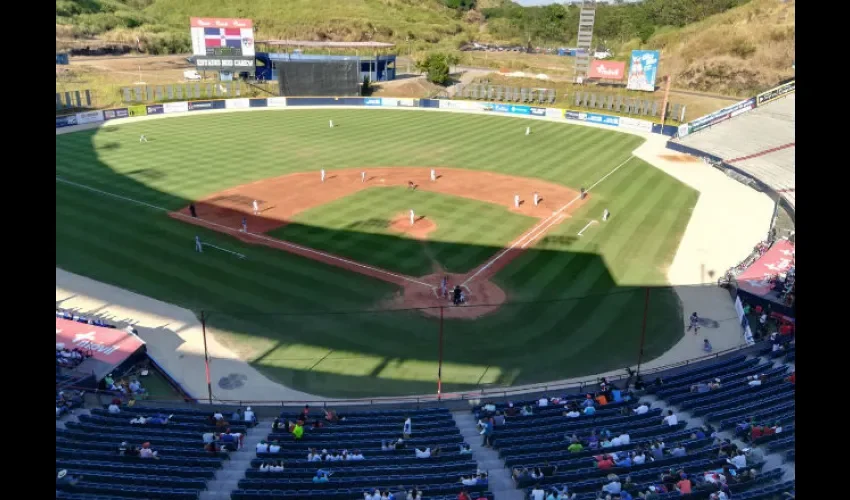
pixel 437 67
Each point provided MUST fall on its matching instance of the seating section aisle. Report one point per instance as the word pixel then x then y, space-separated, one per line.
pixel 348 457
pixel 560 446
pixel 104 455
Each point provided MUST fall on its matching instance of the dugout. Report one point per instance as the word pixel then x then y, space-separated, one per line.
pixel 316 66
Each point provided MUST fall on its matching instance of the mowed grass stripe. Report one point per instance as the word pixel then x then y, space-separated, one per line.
pixel 383 353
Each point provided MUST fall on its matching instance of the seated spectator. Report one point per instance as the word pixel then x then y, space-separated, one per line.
pixel 678 450
pixel 526 411
pixel 298 431
pixel 639 457
pixel 238 416
pixel 604 462
pixel 706 345
pixel 136 387
pixel 641 409
pixel 572 414
pixel 589 410
pixel 139 420
pixel 543 402
pixel 670 419
pixel 613 485
pixel 414 494
pixel 159 419
pixel 624 461
pixel 249 416
pixel 548 470
pixel 575 447
pixel 593 440
pixel 700 387
pixel 147 452
pixel 520 474
pixel 114 409
pixel 332 417
pixel 373 494
pixel 537 493
pixel 264 467
pixel 426 453
pixel 218 416
pixel 510 411
pixel 322 476
pixel 464 494
pixel 684 486
pixel 277 467
pixel 536 473
pixel 754 380
pixel 498 419
pixel 607 443
pixel 274 447
pixel 262 447
pixel 305 413
pixel 739 460
pixel 624 438
pixel 792 378
pixel 465 449
pixel 356 455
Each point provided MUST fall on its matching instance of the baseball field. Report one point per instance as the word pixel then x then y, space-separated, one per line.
pixel 332 290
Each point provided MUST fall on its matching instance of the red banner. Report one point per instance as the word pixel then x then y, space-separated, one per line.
pixel 607 70
pixel 215 22
pixel 756 278
pixel 109 345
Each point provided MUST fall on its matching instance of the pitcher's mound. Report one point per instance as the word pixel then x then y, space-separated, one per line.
pixel 421 228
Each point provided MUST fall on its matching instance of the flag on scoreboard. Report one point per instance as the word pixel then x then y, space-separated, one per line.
pixel 223 37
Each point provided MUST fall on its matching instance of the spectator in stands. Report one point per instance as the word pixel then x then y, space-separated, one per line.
pixel 670 419
pixel 465 449
pixel 332 416
pixel 264 467
pixel 373 494
pixel 575 447
pixel 356 455
pixel 249 416
pixel 414 494
pixel 238 415
pixel 136 387
pixel 298 431
pixel 520 474
pixel 641 409
pixel 706 345
pixel 498 419
pixel 526 411
pixel 147 451
pixel 64 479
pixel 606 443
pixel 593 440
pixel 639 457
pixel 739 460
pixel 537 493
pixel 536 473
pixel 139 420
pixel 464 494
pixel 305 413
pixel 426 453
pixel 322 476
pixel 589 410
pixel 407 428
pixel 543 402
pixel 113 408
pixel 754 380
pixel 487 432
pixel 684 486
pixel 511 411
pixel 276 466
pixel 274 447
pixel 604 462
pixel 159 419
pixel 623 461
pixel 624 438
pixel 613 485
pixel 262 446
pixel 572 413
pixel 218 416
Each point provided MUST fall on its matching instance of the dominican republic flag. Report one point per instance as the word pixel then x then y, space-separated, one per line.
pixel 223 37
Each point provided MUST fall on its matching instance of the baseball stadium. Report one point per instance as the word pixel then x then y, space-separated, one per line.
pixel 467 295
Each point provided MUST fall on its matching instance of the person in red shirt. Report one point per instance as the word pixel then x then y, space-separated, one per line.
pixel 768 431
pixel 684 485
pixel 463 495
pixel 756 432
pixel 605 462
pixel 792 377
pixel 786 329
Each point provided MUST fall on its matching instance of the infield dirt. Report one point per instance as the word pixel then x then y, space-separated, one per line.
pixel 279 199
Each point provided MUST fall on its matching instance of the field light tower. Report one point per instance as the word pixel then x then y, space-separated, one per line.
pixel 586 19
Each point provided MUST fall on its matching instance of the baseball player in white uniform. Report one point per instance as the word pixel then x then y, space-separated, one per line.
pixel 536 199
pixel 244 224
pixel 323 175
pixel 527 130
pixel 331 123
pixel 142 138
pixel 516 201
pixel 198 247
pixel 412 215
pixel 606 214
pixel 363 176
pixel 256 208
pixel 433 175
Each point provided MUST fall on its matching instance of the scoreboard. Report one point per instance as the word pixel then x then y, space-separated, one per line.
pixel 224 51
pixel 216 37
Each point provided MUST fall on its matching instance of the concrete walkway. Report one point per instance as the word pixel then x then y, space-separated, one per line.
pixel 499 477
pixel 233 470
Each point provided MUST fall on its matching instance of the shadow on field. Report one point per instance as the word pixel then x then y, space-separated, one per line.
pixel 322 330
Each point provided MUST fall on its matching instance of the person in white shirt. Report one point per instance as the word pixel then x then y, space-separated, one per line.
pixel 670 419
pixel 754 380
pixel 136 387
pixel 262 447
pixel 407 428
pixel 217 415
pixel 490 407
pixel 639 458
pixel 113 408
pixel 537 493
pixel 526 411
pixel 739 460
pixel 423 454
pixel 640 410
pixel 469 481
pixel 572 414
pixel 373 495
pixel 277 468
pixel 625 438
pixel 264 467
pixel 334 457
pixel 274 448
pixel 613 487
pixel 249 415
pixel 614 442
pixel 140 420
pixel 465 449
pixel 543 402
pixel 146 452
pixel 356 455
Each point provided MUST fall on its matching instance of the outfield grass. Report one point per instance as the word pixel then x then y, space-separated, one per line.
pixel 268 308
pixel 467 231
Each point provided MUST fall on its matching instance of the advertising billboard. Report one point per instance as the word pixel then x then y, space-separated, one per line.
pixel 719 115
pixel 174 107
pixel 111 114
pixel 226 63
pixel 775 93
pixel 607 70
pixel 216 36
pixel 643 70
pixel 89 117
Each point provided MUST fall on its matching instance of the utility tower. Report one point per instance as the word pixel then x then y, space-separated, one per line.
pixel 586 19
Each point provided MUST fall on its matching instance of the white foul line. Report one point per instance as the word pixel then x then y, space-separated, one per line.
pixel 258 236
pixel 223 249
pixel 585 227
pixel 536 229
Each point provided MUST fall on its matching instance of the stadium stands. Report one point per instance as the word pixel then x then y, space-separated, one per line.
pixel 749 142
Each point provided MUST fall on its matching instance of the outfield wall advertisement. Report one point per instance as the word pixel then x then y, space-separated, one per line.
pixel 243 103
pixel 719 116
pixel 643 70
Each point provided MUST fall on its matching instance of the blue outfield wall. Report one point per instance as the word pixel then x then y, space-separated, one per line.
pixel 377 102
